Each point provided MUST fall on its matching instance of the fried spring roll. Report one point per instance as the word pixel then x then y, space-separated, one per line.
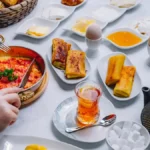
pixel 60 52
pixel 124 87
pixel 75 66
pixel 115 66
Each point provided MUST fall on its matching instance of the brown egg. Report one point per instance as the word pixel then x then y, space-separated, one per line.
pixel 94 32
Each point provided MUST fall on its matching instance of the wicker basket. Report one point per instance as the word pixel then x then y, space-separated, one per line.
pixel 16 13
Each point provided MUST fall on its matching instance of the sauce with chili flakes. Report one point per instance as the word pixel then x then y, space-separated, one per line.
pixel 20 65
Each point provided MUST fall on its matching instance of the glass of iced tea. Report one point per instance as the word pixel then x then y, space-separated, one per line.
pixel 88 94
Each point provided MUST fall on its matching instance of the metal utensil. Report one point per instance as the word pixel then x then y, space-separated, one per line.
pixel 26 76
pixel 3 46
pixel 106 121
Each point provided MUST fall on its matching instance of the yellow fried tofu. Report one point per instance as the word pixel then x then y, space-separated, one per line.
pixel 10 2
pixel 35 147
pixel 124 87
pixel 115 66
pixel 75 66
pixel 2 5
pixel 60 53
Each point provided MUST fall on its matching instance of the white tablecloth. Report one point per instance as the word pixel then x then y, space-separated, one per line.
pixel 36 120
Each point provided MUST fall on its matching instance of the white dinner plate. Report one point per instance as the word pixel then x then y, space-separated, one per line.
pixel 100 23
pixel 20 143
pixel 46 11
pixel 143 37
pixel 37 21
pixel 104 18
pixel 65 116
pixel 61 73
pixel 102 69
pixel 137 3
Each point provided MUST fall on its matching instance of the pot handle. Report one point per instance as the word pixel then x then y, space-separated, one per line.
pixel 146 92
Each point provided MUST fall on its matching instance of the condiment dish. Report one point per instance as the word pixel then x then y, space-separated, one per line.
pixel 100 23
pixel 46 14
pixel 144 38
pixel 37 21
pixel 60 73
pixel 102 69
pixel 120 124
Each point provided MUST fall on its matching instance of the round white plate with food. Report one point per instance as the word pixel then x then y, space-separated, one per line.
pixel 65 116
pixel 102 69
pixel 57 12
pixel 21 142
pixel 61 73
pixel 82 24
pixel 37 28
pixel 141 38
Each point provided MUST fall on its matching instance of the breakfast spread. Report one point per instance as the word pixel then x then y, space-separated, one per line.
pixel 72 61
pixel 124 38
pixel 82 24
pixel 35 147
pixel 123 3
pixel 12 70
pixel 37 31
pixel 120 76
pixel 71 2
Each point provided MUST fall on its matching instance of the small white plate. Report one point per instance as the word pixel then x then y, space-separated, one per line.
pixel 143 132
pixel 65 114
pixel 100 23
pixel 46 11
pixel 137 3
pixel 20 142
pixel 52 25
pixel 102 69
pixel 111 17
pixel 61 74
pixel 143 37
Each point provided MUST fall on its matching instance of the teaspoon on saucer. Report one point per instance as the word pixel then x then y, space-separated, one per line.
pixel 106 121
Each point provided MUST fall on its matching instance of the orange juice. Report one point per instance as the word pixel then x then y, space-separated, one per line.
pixel 88 104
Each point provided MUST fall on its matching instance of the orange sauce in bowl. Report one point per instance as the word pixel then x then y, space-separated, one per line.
pixel 124 38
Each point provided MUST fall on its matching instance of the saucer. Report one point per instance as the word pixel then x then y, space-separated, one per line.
pixel 65 116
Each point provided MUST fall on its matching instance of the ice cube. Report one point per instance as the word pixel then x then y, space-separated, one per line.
pixel 125 148
pixel 138 148
pixel 112 133
pixel 142 138
pixel 117 130
pixel 136 127
pixel 127 125
pixel 112 140
pixel 135 135
pixel 139 144
pixel 116 147
pixel 121 142
pixel 130 144
pixel 124 134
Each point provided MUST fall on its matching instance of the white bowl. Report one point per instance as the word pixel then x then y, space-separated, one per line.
pixel 143 37
pixel 61 74
pixel 68 9
pixel 52 25
pixel 143 132
pixel 100 23
pixel 102 69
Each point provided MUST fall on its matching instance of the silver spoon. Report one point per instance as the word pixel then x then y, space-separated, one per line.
pixel 106 121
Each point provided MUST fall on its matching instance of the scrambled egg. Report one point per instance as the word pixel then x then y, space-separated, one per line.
pixel 35 147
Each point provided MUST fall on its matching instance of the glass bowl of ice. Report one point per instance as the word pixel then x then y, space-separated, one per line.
pixel 126 135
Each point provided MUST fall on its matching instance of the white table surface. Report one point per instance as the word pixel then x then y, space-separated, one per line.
pixel 36 120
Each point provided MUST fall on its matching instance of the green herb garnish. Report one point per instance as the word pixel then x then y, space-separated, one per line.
pixel 9 74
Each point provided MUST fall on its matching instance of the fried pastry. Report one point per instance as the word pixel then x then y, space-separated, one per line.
pixel 115 66
pixel 2 5
pixel 59 53
pixel 71 2
pixel 124 87
pixel 75 66
pixel 10 2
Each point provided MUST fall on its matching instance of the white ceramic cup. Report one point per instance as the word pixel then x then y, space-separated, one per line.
pixel 93 44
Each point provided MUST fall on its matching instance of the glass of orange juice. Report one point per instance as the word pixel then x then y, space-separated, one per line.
pixel 88 94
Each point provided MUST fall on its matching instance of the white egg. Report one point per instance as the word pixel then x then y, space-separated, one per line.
pixel 94 32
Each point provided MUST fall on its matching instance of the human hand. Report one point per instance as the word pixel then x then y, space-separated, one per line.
pixel 9 106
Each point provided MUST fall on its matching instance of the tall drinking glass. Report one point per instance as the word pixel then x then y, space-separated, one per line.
pixel 88 94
